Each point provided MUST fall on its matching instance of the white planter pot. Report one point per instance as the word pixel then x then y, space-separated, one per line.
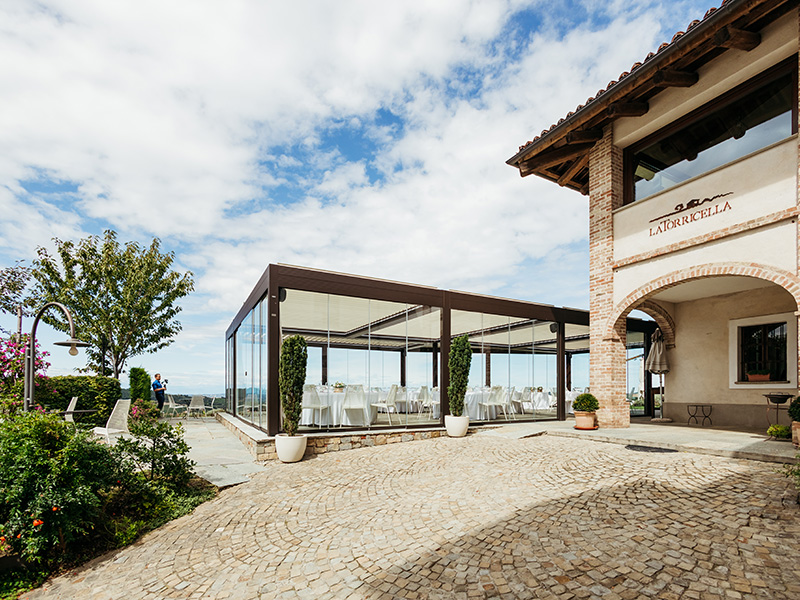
pixel 290 448
pixel 456 426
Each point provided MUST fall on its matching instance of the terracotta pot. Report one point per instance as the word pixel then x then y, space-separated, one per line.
pixel 758 377
pixel 290 448
pixel 456 426
pixel 796 433
pixel 584 420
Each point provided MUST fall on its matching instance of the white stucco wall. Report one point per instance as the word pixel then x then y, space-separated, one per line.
pixel 758 185
pixel 699 363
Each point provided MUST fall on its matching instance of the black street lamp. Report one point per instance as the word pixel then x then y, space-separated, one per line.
pixel 30 352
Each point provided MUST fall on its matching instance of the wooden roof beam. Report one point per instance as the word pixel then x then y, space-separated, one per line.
pixel 579 163
pixel 627 109
pixel 674 78
pixel 586 135
pixel 554 157
pixel 731 37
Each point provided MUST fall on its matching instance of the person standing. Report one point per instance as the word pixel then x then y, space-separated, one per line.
pixel 159 389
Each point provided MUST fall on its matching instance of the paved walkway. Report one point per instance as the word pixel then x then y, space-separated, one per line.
pixel 220 456
pixel 699 440
pixel 479 517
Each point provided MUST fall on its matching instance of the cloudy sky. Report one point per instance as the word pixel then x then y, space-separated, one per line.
pixel 355 136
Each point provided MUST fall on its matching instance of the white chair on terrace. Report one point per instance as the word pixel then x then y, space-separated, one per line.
pixel 174 407
pixel 498 398
pixel 117 423
pixel 525 398
pixel 354 399
pixel 425 400
pixel 311 400
pixel 388 404
pixel 70 408
pixel 197 404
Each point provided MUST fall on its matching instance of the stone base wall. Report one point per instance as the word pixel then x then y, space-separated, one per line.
pixel 262 446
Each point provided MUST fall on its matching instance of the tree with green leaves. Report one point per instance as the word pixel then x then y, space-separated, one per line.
pixel 140 384
pixel 14 292
pixel 291 377
pixel 459 363
pixel 123 299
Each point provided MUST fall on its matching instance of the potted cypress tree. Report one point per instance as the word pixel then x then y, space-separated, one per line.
pixel 290 446
pixel 585 406
pixel 794 415
pixel 459 361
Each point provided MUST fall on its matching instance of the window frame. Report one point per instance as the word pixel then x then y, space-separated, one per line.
pixel 734 351
pixel 787 66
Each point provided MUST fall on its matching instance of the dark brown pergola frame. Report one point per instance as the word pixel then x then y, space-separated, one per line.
pixel 279 277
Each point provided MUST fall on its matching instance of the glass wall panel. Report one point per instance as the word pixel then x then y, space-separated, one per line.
pixel 513 369
pixel 229 391
pixel 371 362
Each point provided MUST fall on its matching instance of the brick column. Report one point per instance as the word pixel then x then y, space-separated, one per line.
pixel 607 367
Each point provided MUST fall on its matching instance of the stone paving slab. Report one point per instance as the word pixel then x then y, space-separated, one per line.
pixel 220 456
pixel 473 518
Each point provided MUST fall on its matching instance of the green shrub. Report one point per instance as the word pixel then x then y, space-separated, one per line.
pixel 779 431
pixel 458 365
pixel 794 409
pixel 52 479
pixel 157 450
pixel 291 377
pixel 140 384
pixel 93 391
pixel 585 403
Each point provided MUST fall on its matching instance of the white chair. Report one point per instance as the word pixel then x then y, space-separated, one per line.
pixel 311 400
pixel 70 408
pixel 525 397
pixel 388 404
pixel 174 407
pixel 197 404
pixel 498 398
pixel 425 400
pixel 117 423
pixel 354 399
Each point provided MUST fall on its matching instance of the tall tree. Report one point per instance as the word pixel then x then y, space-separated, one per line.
pixel 123 299
pixel 14 290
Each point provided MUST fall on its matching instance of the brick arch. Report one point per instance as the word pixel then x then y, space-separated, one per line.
pixel 640 297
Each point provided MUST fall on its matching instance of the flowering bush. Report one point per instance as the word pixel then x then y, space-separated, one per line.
pixel 51 482
pixel 12 373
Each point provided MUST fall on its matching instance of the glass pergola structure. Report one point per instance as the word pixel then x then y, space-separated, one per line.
pixel 378 349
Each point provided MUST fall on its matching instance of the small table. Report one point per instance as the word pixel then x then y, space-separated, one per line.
pixel 777 399
pixel 699 411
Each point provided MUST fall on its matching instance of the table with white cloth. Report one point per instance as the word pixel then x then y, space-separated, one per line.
pixel 541 400
pixel 334 401
pixel 471 407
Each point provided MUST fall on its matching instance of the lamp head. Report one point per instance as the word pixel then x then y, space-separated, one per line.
pixel 74 344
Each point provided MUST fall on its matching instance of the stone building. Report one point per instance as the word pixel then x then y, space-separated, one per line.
pixel 690 164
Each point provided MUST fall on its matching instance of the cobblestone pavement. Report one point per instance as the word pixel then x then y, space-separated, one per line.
pixel 477 517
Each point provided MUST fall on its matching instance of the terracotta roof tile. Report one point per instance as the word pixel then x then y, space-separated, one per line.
pixel 625 74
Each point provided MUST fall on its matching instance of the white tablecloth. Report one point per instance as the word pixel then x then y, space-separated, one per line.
pixel 334 401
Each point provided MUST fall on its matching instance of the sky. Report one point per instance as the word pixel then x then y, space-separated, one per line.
pixel 362 137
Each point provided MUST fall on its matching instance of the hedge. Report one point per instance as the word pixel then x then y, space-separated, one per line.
pixel 93 392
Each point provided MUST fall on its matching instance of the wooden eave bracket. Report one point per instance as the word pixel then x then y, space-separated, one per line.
pixel 674 78
pixel 627 109
pixel 553 157
pixel 731 37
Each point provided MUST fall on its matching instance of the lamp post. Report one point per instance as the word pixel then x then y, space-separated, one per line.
pixel 30 352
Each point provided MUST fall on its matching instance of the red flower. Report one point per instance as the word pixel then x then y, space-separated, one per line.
pixel 55 508
pixel 37 522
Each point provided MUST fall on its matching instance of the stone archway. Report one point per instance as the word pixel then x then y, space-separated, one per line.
pixel 612 334
pixel 640 297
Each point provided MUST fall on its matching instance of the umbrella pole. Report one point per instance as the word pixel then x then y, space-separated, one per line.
pixel 661 385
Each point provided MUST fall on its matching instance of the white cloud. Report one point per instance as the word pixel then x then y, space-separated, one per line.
pixel 189 120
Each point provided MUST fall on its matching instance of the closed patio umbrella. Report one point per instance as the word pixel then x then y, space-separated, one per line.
pixel 657 362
